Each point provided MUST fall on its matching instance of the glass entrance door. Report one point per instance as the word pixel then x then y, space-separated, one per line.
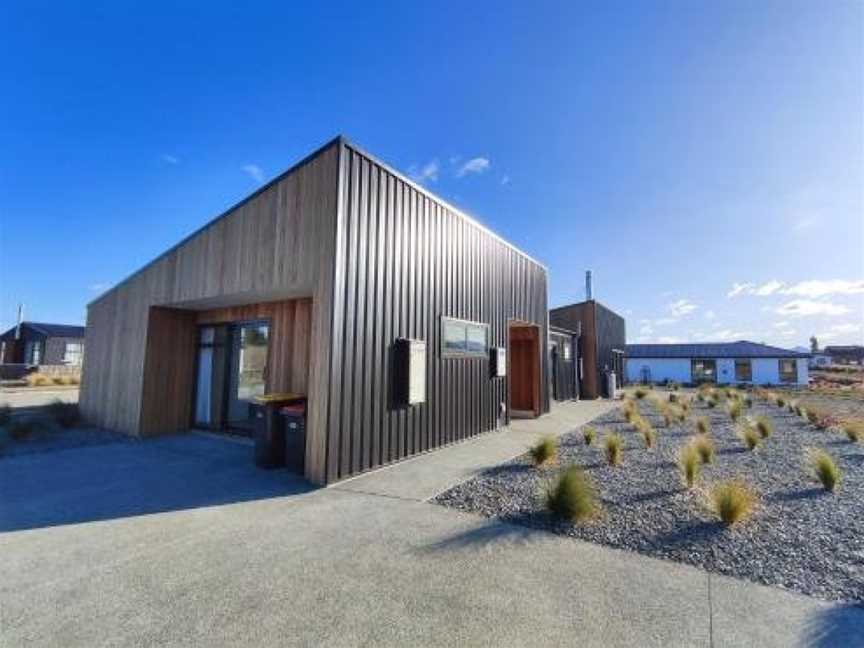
pixel 248 371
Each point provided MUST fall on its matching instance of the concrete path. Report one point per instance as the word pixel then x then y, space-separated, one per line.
pixel 181 542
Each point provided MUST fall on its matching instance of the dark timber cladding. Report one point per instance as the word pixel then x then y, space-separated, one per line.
pixel 404 260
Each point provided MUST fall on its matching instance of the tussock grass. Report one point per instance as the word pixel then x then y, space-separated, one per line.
pixel 799 411
pixel 613 445
pixel 703 425
pixel 780 401
pixel 732 501
pixel 640 392
pixel 673 397
pixel 704 445
pixel 589 434
pixel 649 436
pixel 37 379
pixel 629 409
pixel 824 468
pixel 854 430
pixel 735 408
pixel 66 415
pixel 544 452
pixel 573 497
pixel 748 433
pixel 689 465
pixel 764 426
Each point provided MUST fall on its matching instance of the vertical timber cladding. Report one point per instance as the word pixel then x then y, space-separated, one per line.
pixel 404 260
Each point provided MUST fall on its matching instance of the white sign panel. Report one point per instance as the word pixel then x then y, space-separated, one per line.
pixel 417 372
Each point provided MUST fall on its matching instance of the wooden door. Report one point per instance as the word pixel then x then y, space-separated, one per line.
pixel 525 370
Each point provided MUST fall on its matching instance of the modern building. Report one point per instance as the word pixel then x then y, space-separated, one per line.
pixel 845 354
pixel 406 323
pixel 742 362
pixel 563 374
pixel 603 336
pixel 38 343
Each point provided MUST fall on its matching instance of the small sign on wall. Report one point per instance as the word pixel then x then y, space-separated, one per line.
pixel 499 362
pixel 410 374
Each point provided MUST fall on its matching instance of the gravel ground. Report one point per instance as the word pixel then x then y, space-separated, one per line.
pixel 800 537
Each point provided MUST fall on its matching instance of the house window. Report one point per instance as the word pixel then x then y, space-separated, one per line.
pixel 788 370
pixel 463 339
pixel 703 370
pixel 33 353
pixel 743 371
pixel 73 353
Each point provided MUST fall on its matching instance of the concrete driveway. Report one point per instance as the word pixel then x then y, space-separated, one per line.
pixel 180 541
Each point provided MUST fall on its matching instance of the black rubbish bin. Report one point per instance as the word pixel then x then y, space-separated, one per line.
pixel 295 436
pixel 269 435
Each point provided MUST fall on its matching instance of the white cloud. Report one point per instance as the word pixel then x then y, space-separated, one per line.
pixel 805 307
pixel 254 172
pixel 99 287
pixel 729 335
pixel 646 330
pixel 474 165
pixel 170 159
pixel 682 307
pixel 665 321
pixel 816 288
pixel 668 339
pixel 780 325
pixel 710 315
pixel 847 327
pixel 768 288
pixel 505 180
pixel 740 289
pixel 427 173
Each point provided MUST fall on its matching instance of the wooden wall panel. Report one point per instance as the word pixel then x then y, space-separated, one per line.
pixel 276 244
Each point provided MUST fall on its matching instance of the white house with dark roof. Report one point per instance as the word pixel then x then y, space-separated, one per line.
pixel 742 362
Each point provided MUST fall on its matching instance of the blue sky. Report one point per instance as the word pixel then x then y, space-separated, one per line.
pixel 706 161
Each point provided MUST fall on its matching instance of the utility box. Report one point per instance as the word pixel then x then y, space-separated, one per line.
pixel 409 375
pixel 269 436
pixel 498 362
pixel 295 437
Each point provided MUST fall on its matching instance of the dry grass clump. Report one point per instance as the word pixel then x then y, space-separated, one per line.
pixel 690 465
pixel 764 426
pixel 735 409
pixel 748 401
pixel 705 447
pixel 545 451
pixel 573 496
pixel 66 415
pixel 703 425
pixel 649 436
pixel 37 379
pixel 780 401
pixel 711 402
pixel 629 409
pixel 854 430
pixel 799 411
pixel 732 501
pixel 748 433
pixel 824 468
pixel 640 392
pixel 589 434
pixel 613 445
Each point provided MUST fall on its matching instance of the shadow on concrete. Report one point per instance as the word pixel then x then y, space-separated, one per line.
pixel 489 534
pixel 135 478
pixel 838 625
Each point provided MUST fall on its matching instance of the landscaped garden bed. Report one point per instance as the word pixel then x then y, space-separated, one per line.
pixel 800 535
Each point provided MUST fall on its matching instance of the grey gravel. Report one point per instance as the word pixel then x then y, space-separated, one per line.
pixel 800 537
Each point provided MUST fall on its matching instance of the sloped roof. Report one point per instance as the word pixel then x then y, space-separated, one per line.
pixel 50 330
pixel 740 349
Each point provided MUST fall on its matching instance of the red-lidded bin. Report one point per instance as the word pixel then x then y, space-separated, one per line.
pixel 294 417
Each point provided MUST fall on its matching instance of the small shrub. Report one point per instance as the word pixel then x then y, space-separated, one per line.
pixel 700 397
pixel 649 436
pixel 854 430
pixel 589 435
pixel 5 414
pixel 750 436
pixel 824 468
pixel 690 465
pixel 703 425
pixel 573 496
pixel 22 428
pixel 614 447
pixel 66 415
pixel 629 408
pixel 673 397
pixel 705 447
pixel 780 400
pixel 711 403
pixel 544 451
pixel 732 501
pixel 640 393
pixel 735 409
pixel 764 426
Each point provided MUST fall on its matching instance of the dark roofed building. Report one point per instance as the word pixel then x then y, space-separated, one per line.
pixel 39 343
pixel 739 362
pixel 845 354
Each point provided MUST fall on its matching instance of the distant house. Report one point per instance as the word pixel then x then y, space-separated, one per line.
pixel 43 344
pixel 601 343
pixel 740 362
pixel 848 354
pixel 819 359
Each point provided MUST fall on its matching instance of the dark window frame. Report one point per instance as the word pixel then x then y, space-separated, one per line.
pixel 744 362
pixel 466 326
pixel 789 376
pixel 702 375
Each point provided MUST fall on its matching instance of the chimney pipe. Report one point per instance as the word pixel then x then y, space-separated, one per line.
pixel 589 287
pixel 20 319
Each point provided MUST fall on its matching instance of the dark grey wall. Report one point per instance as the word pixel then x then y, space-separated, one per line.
pixel 403 261
pixel 611 334
pixel 563 379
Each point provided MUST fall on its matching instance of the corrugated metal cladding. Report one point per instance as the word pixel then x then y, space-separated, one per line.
pixel 562 372
pixel 404 260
